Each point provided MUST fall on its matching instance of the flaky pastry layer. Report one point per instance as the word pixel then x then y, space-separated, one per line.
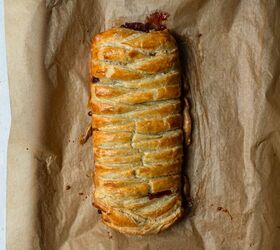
pixel 137 129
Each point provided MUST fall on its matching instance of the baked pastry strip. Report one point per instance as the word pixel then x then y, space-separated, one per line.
pixel 137 129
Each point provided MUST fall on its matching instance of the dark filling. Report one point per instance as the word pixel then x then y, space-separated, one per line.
pixel 99 209
pixel 159 194
pixel 145 27
pixel 153 22
pixel 94 79
pixel 157 18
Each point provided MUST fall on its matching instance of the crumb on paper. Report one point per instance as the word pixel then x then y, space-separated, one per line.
pixel 68 187
pixel 225 211
pixel 86 135
pixel 81 193
pixel 109 235
pixel 87 175
pixel 199 35
pixel 27 148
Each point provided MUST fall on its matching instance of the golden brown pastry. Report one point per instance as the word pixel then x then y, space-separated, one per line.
pixel 137 129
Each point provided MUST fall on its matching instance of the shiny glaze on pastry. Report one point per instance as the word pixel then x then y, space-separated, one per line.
pixel 137 129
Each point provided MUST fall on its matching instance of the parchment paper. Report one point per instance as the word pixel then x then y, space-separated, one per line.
pixel 230 52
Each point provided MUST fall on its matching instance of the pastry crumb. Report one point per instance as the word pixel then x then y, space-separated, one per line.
pixel 109 235
pixel 225 211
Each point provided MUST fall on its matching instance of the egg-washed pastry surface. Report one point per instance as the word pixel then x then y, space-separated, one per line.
pixel 137 129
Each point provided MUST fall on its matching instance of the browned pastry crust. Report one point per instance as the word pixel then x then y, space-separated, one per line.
pixel 137 129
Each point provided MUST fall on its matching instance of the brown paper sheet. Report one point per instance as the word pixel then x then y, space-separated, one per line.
pixel 233 162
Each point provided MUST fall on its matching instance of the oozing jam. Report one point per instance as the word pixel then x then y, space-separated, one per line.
pixel 137 26
pixel 153 22
pixel 156 19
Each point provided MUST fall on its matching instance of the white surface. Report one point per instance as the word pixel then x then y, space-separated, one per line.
pixel 5 120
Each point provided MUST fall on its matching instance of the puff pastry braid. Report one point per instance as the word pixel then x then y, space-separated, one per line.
pixel 137 129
